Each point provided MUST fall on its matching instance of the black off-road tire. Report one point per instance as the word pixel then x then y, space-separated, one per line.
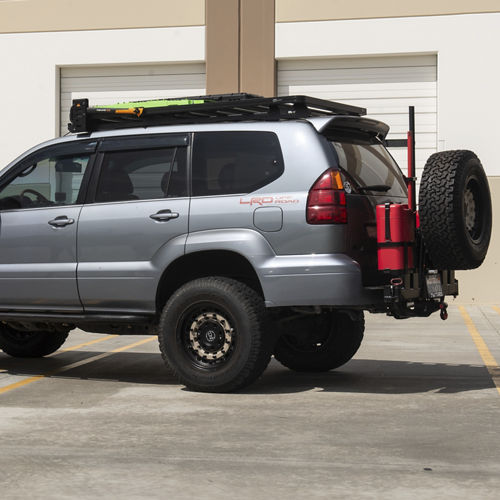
pixel 213 335
pixel 327 341
pixel 455 210
pixel 36 344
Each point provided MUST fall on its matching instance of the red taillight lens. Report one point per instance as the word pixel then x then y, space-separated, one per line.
pixel 326 202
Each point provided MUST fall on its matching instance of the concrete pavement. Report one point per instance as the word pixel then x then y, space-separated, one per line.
pixel 415 414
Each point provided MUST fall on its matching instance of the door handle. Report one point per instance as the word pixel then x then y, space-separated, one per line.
pixel 61 221
pixel 164 215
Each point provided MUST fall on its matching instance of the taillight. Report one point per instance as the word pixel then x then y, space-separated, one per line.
pixel 326 203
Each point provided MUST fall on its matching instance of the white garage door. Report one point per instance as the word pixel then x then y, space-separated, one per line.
pixel 386 86
pixel 110 84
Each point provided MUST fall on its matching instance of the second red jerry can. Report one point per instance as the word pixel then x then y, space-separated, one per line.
pixel 395 237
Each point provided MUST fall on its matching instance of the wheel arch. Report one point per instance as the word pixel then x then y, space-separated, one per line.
pixel 203 263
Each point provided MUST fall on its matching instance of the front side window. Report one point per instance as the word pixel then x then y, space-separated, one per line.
pixel 51 181
pixel 235 162
pixel 142 175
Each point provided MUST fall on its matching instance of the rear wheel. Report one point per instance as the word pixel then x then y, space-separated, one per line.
pixel 319 343
pixel 455 210
pixel 24 344
pixel 213 335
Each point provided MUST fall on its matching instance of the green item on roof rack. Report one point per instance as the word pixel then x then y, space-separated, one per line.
pixel 150 104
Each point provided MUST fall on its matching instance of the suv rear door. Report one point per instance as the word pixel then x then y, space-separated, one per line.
pixel 138 205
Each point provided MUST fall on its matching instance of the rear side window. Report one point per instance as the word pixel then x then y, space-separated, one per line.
pixel 370 164
pixel 235 162
pixel 142 175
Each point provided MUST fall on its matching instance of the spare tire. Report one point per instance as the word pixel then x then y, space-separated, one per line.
pixel 455 210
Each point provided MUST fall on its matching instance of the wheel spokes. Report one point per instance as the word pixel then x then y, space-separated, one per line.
pixel 210 337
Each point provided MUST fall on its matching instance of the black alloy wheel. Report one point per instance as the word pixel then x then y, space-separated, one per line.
pixel 207 335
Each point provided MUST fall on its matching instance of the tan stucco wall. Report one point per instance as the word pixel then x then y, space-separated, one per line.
pixel 320 10
pixel 482 285
pixel 18 16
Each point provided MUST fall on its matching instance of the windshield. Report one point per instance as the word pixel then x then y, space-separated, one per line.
pixel 369 165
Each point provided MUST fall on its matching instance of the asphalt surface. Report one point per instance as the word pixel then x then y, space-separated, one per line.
pixel 414 415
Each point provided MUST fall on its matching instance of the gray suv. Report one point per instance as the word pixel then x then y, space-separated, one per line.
pixel 233 227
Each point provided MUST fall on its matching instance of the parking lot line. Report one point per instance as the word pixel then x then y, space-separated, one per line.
pixel 84 344
pixel 65 368
pixel 497 309
pixel 488 359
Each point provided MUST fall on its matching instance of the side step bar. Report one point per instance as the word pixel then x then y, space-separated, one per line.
pixel 74 318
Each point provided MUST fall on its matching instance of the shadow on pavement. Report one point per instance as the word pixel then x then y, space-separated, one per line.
pixel 358 376
pixel 378 377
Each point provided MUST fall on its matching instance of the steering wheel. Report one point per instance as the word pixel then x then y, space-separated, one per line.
pixel 39 196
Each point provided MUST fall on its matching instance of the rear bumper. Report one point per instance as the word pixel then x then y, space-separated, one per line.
pixel 315 280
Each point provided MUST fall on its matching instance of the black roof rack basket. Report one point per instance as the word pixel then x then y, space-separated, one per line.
pixel 212 108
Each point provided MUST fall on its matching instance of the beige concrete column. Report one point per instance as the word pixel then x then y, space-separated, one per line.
pixel 240 46
pixel 257 63
pixel 222 45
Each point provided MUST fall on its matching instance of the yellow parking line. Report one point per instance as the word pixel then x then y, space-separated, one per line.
pixel 75 347
pixel 65 368
pixel 497 309
pixel 140 342
pixel 21 383
pixel 488 359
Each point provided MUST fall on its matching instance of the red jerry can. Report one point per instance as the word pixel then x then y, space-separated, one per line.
pixel 395 237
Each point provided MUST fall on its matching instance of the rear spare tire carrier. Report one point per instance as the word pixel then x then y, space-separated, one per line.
pixel 455 210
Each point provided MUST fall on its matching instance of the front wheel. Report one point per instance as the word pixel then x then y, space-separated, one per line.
pixel 319 343
pixel 24 344
pixel 213 335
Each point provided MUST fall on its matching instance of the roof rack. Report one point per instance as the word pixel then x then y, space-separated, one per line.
pixel 201 109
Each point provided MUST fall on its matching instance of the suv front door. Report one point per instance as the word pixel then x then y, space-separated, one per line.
pixel 135 221
pixel 40 202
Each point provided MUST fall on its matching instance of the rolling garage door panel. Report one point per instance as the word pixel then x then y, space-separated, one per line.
pixel 108 84
pixel 386 86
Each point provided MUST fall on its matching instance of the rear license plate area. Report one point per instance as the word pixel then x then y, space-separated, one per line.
pixel 434 286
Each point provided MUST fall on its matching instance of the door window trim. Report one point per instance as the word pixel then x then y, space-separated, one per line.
pixel 135 142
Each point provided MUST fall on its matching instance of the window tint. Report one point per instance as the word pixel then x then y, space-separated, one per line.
pixel 235 162
pixel 50 181
pixel 142 175
pixel 370 164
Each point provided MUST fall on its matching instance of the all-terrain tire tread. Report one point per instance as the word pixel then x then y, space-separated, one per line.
pixel 437 209
pixel 260 352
